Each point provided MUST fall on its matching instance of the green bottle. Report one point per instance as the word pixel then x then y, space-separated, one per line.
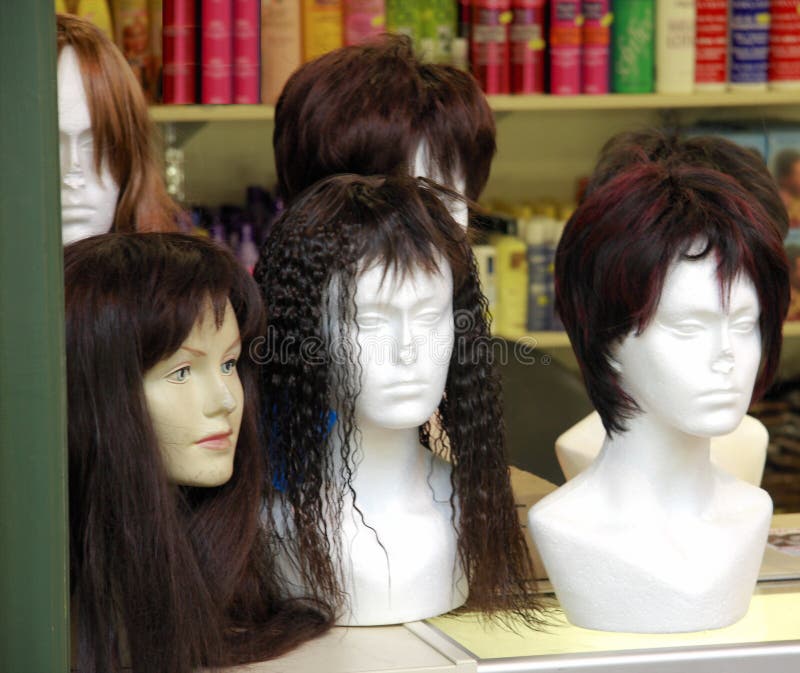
pixel 438 20
pixel 633 46
pixel 403 16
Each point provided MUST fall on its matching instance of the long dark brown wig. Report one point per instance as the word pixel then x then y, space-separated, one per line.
pixel 173 577
pixel 334 231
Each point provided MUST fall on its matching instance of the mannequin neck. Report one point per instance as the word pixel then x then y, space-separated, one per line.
pixel 658 465
pixel 388 464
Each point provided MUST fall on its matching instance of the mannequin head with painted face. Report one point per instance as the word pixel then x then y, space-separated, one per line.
pixel 166 474
pixel 624 267
pixel 110 178
pixel 375 313
pixel 375 109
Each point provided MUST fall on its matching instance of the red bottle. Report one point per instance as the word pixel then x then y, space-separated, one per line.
pixel 527 46
pixel 490 47
pixel 179 49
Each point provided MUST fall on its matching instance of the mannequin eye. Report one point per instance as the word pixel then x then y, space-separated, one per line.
pixel 229 366
pixel 429 317
pixel 179 375
pixel 370 321
pixel 687 328
pixel 745 326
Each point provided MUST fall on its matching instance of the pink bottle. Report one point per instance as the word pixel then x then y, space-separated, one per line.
pixel 216 52
pixel 246 58
pixel 490 49
pixel 565 47
pixel 527 46
pixel 595 64
pixel 180 63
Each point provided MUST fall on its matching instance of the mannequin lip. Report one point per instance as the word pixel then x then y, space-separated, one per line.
pixel 75 213
pixel 722 395
pixel 219 441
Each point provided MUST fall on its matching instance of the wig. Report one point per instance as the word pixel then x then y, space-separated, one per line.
pixel 655 145
pixel 365 109
pixel 121 128
pixel 334 231
pixel 176 576
pixel 622 240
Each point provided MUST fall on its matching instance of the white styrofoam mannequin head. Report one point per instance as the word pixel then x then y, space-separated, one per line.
pixel 694 366
pixel 88 199
pixel 423 168
pixel 195 401
pixel 404 337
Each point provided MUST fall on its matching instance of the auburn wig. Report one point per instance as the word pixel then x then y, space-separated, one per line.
pixel 620 243
pixel 172 577
pixel 334 231
pixel 365 109
pixel 121 128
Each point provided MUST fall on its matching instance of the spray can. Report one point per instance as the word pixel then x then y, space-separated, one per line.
pixel 491 62
pixel 527 46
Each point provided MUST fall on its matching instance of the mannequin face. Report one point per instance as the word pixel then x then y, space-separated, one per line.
pixel 88 199
pixel 405 338
pixel 694 366
pixel 195 400
pixel 422 169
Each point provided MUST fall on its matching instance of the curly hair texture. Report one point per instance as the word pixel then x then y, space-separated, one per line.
pixel 622 240
pixel 333 232
pixel 366 109
pixel 172 577
pixel 121 128
pixel 656 145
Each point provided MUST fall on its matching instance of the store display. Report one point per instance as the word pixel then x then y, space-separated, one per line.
pixel 378 280
pixel 169 568
pixel 110 175
pixel 654 538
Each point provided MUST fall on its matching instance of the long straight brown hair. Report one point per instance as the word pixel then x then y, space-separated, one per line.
pixel 177 577
pixel 121 128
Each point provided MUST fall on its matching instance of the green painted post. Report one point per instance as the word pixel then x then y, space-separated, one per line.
pixel 34 595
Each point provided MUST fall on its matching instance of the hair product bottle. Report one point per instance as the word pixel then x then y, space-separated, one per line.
pixel 216 52
pixel 784 44
pixel 180 63
pixel 527 46
pixel 281 45
pixel 675 28
pixel 595 58
pixel 711 45
pixel 490 49
pixel 632 49
pixel 362 19
pixel 322 27
pixel 246 19
pixel 749 44
pixel 565 47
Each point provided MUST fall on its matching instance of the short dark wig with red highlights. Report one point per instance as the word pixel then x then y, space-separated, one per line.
pixel 365 109
pixel 334 231
pixel 619 245
pixel 170 577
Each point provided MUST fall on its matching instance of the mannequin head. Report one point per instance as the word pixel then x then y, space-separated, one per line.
pixel 368 109
pixel 643 233
pixel 664 147
pixel 161 565
pixel 110 178
pixel 363 270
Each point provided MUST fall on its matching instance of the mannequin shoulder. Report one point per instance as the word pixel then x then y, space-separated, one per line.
pixel 735 497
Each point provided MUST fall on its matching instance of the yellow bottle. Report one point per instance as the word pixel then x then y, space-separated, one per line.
pixel 511 283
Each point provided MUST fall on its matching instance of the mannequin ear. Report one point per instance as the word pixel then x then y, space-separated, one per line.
pixel 614 364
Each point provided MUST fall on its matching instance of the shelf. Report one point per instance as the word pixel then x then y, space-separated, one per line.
pixel 542 103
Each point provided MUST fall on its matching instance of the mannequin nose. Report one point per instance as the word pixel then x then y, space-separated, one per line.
pixel 221 401
pixel 724 362
pixel 407 349
pixel 73 177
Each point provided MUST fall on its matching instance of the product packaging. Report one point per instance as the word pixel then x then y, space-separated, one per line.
pixel 749 44
pixel 711 45
pixel 527 46
pixel 438 26
pixel 246 56
pixel 675 52
pixel 565 47
pixel 179 44
pixel 362 20
pixel 783 70
pixel 281 45
pixel 632 46
pixel 322 27
pixel 596 57
pixel 216 52
pixel 490 49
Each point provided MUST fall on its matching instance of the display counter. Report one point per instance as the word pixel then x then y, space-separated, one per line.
pixel 766 640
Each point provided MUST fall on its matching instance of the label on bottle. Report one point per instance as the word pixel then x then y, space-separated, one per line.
pixel 784 41
pixel 749 46
pixel 711 42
